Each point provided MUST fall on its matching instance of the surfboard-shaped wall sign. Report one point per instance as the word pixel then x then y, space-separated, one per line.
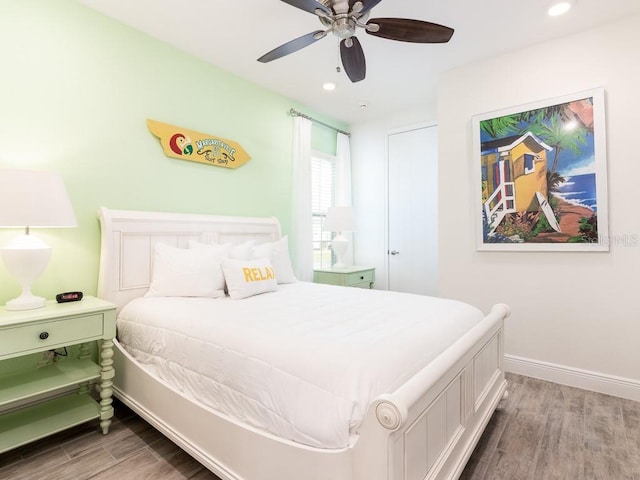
pixel 183 144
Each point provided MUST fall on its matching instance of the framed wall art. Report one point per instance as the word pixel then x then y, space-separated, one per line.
pixel 541 175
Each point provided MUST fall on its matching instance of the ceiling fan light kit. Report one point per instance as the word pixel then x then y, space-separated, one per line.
pixel 343 18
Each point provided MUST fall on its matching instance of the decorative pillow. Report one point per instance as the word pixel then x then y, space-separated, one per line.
pixel 179 272
pixel 278 253
pixel 240 252
pixel 246 278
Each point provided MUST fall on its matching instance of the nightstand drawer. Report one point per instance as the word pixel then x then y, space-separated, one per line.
pixel 23 338
pixel 366 277
pixel 362 277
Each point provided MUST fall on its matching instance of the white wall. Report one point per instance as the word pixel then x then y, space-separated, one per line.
pixel 574 310
pixel 368 166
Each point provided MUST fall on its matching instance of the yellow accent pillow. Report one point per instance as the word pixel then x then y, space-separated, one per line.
pixel 246 278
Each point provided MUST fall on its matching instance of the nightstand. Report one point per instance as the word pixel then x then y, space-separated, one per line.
pixel 55 326
pixel 362 277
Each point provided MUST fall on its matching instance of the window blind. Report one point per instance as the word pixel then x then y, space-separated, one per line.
pixel 323 193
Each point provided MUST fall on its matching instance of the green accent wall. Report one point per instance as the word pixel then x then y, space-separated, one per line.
pixel 75 92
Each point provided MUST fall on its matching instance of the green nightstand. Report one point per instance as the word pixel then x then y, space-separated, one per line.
pixel 362 277
pixel 51 327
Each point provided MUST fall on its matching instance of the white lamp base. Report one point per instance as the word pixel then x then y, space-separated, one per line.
pixel 340 245
pixel 26 258
pixel 26 301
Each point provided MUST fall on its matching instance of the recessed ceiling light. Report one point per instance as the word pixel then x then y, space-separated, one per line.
pixel 329 86
pixel 559 8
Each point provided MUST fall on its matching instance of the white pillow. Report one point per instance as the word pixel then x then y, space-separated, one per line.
pixel 178 272
pixel 246 278
pixel 278 254
pixel 240 252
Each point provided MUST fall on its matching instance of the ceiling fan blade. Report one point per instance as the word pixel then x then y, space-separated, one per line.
pixel 408 30
pixel 293 46
pixel 368 5
pixel 353 60
pixel 309 6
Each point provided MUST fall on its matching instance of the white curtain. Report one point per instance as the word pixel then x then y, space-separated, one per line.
pixel 343 183
pixel 301 234
pixel 343 170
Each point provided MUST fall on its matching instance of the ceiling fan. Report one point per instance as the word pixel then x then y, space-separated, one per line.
pixel 343 17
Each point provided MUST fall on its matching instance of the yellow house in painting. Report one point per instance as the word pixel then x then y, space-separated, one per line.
pixel 513 170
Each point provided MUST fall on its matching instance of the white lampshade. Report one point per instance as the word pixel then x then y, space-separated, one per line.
pixel 31 199
pixel 339 219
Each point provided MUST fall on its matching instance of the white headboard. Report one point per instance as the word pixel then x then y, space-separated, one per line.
pixel 128 239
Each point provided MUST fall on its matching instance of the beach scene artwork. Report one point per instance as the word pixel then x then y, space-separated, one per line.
pixel 542 175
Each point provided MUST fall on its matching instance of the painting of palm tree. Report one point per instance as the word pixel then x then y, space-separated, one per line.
pixel 542 169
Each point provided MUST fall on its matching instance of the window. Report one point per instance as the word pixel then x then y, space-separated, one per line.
pixel 529 166
pixel 323 194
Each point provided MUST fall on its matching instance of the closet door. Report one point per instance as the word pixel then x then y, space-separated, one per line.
pixel 412 210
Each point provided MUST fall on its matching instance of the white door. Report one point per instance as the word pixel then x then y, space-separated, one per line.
pixel 412 215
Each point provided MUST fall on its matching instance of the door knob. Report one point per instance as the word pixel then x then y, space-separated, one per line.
pixel 394 252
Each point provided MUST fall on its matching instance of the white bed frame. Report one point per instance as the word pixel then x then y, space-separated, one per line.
pixel 425 430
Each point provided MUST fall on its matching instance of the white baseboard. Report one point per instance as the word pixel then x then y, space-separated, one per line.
pixel 574 377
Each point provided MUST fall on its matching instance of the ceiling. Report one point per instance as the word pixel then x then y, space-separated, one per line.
pixel 400 76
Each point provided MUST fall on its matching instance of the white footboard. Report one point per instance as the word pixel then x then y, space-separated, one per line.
pixel 431 425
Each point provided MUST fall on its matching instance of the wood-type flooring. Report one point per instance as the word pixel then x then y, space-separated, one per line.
pixel 542 431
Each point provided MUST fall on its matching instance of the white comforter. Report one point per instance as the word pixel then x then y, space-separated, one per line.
pixel 302 363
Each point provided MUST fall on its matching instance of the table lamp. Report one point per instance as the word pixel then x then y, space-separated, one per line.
pixel 339 219
pixel 31 199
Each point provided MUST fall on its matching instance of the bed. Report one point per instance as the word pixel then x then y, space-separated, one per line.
pixel 423 426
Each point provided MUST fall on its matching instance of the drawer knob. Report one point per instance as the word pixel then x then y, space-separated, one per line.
pixel 44 335
pixel 362 277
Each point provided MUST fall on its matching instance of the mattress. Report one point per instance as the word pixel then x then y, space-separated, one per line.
pixel 302 363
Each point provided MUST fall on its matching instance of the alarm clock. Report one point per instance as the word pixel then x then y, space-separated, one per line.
pixel 68 297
